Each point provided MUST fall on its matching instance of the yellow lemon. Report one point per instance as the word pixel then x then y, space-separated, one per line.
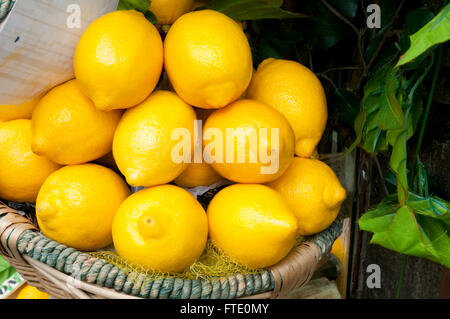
pixel 68 129
pixel 30 292
pixel 197 174
pixel 338 249
pixel 161 228
pixel 21 111
pixel 146 139
pixel 167 11
pixel 295 91
pixel 252 224
pixel 21 171
pixel 208 59
pixel 76 205
pixel 314 193
pixel 248 142
pixel 118 60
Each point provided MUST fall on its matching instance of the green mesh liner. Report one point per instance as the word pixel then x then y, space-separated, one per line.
pixel 107 270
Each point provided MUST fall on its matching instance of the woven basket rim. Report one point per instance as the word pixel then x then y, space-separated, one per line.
pixel 290 273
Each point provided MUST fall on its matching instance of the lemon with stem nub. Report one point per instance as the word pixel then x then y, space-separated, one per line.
pixel 161 228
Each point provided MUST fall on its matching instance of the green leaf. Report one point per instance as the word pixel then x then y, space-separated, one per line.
pixel 347 7
pixel 252 9
pixel 150 17
pixel 397 139
pixel 434 32
pixel 325 30
pixel 390 181
pixel 277 44
pixel 430 206
pixel 419 179
pixel 390 115
pixel 401 229
pixel 6 271
pixel 380 111
pixel 348 106
pixel 139 5
pixel 416 19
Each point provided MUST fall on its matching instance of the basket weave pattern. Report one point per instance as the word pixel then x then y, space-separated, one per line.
pixel 65 272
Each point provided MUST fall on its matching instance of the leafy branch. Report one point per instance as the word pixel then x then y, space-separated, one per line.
pixel 410 221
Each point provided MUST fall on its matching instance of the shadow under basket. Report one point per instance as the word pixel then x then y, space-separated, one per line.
pixel 66 273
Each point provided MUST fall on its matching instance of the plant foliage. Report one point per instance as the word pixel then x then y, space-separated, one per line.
pixel 409 221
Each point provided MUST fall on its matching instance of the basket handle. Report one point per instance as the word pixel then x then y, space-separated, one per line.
pixel 12 225
pixel 295 269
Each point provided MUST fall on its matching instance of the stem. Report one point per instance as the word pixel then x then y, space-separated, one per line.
pixel 342 68
pixel 400 279
pixel 429 100
pixel 351 25
pixel 340 16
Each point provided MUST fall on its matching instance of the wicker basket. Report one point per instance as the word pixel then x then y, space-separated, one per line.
pixel 64 272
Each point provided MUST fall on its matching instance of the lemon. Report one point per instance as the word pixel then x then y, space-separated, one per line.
pixel 21 171
pixel 295 91
pixel 118 60
pixel 252 224
pixel 167 11
pixel 30 292
pixel 261 148
pixel 68 129
pixel 76 205
pixel 313 191
pixel 198 174
pixel 161 228
pixel 21 111
pixel 143 143
pixel 338 249
pixel 208 59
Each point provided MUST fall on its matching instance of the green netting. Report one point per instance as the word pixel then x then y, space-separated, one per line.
pixel 213 263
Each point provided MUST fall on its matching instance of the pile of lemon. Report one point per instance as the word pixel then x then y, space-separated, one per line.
pixel 47 146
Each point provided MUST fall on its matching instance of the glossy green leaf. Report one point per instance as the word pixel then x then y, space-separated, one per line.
pixel 380 111
pixel 397 139
pixel 6 271
pixel 252 9
pixel 390 181
pixel 278 44
pixel 411 229
pixel 150 17
pixel 430 206
pixel 348 106
pixel 348 8
pixel 139 5
pixel 325 30
pixel 390 115
pixel 434 32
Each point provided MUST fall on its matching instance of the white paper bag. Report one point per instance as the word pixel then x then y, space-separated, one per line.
pixel 37 42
